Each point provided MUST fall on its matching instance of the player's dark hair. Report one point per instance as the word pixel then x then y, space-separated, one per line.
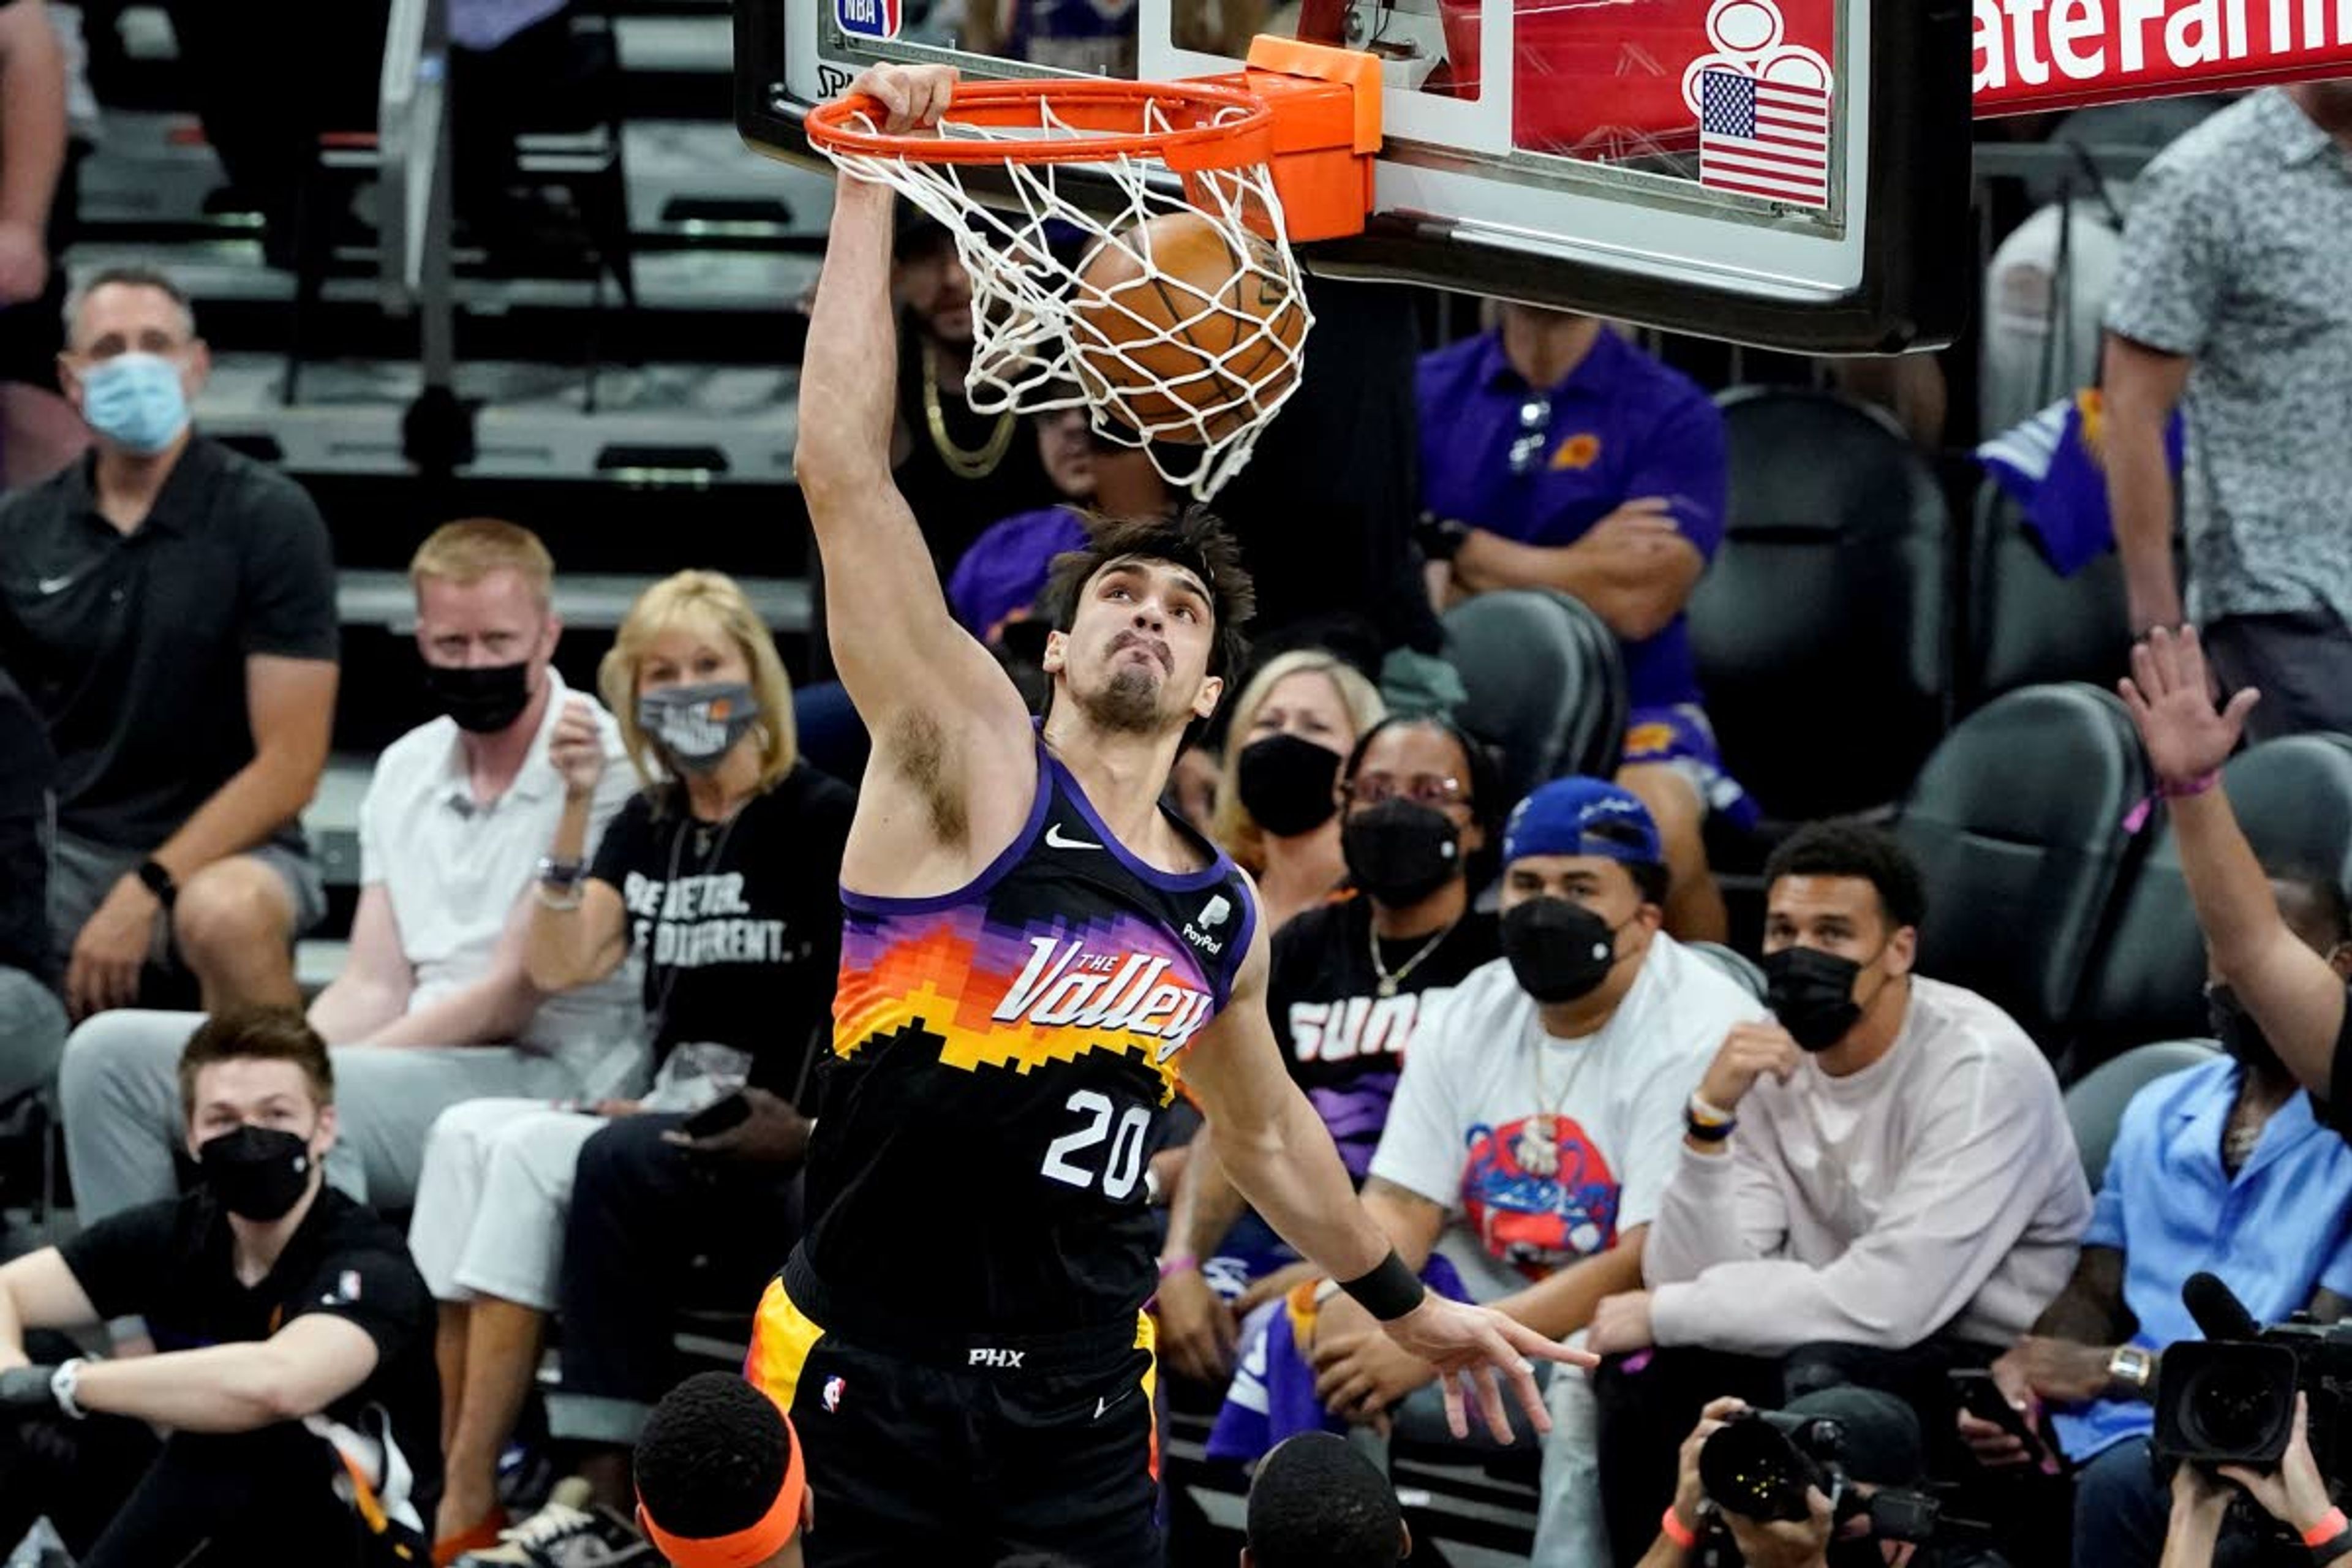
pixel 1318 1503
pixel 1194 539
pixel 1846 849
pixel 267 1033
pixel 713 1457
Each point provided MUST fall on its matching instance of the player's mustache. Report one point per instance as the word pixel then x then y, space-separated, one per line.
pixel 1159 650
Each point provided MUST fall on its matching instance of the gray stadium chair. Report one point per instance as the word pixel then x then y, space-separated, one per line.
pixel 1545 683
pixel 2145 981
pixel 1823 626
pixel 2094 1106
pixel 2027 624
pixel 2017 823
pixel 1739 965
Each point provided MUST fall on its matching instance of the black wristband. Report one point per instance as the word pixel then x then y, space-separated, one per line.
pixel 1389 1291
pixel 1440 538
pixel 158 881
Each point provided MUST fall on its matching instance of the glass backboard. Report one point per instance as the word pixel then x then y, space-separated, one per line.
pixel 1785 173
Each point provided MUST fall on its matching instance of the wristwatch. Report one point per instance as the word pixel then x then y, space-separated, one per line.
pixel 562 875
pixel 1440 538
pixel 2132 1367
pixel 64 1382
pixel 158 881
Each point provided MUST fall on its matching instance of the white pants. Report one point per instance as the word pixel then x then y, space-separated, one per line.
pixel 491 1201
pixel 1570 1530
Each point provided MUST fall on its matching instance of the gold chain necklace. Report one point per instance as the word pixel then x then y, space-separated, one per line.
pixel 964 465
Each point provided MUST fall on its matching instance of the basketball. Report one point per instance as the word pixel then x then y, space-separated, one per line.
pixel 1182 334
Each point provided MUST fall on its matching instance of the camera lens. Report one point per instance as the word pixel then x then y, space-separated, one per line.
pixel 2225 1410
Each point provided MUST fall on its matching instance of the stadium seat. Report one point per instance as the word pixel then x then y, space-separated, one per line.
pixel 2094 1106
pixel 2027 624
pixel 2017 822
pixel 1739 965
pixel 2146 982
pixel 1823 627
pixel 1544 684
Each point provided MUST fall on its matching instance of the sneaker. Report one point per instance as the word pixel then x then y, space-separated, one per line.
pixel 568 1533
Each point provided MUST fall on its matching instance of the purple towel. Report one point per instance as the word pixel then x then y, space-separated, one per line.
pixel 2050 467
pixel 1273 1392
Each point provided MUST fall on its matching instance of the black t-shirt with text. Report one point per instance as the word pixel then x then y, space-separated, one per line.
pixel 172 1263
pixel 738 924
pixel 1345 1042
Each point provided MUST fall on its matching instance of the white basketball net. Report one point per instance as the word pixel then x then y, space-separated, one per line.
pixel 1195 406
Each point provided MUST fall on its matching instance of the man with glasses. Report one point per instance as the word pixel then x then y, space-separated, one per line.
pixel 1351 986
pixel 1535 1127
pixel 1555 454
pixel 169 608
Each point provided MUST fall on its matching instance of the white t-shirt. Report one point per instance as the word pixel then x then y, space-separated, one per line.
pixel 454 871
pixel 1484 1084
pixel 1936 1189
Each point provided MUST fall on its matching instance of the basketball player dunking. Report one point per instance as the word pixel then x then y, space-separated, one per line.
pixel 1032 951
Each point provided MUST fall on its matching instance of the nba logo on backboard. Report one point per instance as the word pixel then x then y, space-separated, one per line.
pixel 867 18
pixel 832 1388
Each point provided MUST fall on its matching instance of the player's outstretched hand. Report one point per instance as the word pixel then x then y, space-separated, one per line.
pixel 2170 693
pixel 912 97
pixel 1474 1351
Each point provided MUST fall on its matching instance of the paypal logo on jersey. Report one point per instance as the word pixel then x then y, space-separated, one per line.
pixel 1212 913
pixel 867 18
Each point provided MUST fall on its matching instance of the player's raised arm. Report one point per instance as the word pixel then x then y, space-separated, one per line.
pixel 922 685
pixel 1280 1155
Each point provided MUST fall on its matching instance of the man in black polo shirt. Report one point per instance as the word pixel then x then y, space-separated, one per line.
pixel 169 606
pixel 295 1336
pixel 32 1024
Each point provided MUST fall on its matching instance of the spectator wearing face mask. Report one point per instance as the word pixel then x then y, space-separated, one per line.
pixel 1278 791
pixel 2204 1160
pixel 435 1004
pixel 295 1373
pixel 1532 1133
pixel 1350 983
pixel 1874 1186
pixel 169 608
pixel 721 876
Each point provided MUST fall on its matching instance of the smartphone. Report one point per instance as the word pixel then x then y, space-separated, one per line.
pixel 717 1117
pixel 1981 1397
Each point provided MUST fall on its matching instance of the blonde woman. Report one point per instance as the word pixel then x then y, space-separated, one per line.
pixel 721 874
pixel 1277 794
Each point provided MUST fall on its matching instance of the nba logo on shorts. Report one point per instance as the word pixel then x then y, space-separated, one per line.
pixel 832 1388
pixel 867 18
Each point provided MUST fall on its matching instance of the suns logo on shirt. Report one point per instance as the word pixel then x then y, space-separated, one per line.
pixel 1578 453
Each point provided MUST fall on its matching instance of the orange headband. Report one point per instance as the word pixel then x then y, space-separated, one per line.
pixel 752 1544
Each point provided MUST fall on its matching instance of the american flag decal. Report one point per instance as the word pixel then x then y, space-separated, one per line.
pixel 1768 139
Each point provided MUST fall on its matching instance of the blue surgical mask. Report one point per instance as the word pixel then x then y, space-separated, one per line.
pixel 134 400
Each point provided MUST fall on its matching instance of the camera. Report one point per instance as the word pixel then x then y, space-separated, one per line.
pixel 1760 1464
pixel 2232 1401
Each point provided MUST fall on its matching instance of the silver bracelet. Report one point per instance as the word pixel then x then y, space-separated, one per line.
pixel 63 1384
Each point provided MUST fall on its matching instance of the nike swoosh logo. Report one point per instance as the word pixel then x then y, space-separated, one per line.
pixel 1054 840
pixel 56 584
pixel 1102 1405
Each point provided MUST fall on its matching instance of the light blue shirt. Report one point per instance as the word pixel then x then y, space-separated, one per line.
pixel 2275 1235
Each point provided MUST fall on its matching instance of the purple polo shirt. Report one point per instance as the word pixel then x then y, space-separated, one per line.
pixel 1622 425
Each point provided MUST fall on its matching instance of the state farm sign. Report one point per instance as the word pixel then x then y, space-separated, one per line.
pixel 2055 54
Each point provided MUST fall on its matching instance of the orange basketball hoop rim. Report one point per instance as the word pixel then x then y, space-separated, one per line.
pixel 1310 114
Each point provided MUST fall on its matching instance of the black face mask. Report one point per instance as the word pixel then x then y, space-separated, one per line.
pixel 257 1172
pixel 1812 993
pixel 2240 1034
pixel 1559 950
pixel 483 700
pixel 1287 785
pixel 1401 851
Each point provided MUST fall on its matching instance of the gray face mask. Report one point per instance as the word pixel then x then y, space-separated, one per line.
pixel 699 725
